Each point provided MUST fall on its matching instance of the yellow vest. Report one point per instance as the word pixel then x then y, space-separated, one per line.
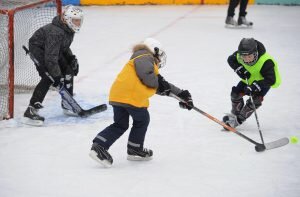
pixel 128 88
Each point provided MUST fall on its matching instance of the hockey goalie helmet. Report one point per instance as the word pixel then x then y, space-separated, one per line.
pixel 157 49
pixel 248 51
pixel 73 17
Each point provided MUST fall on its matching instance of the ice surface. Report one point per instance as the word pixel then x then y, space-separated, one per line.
pixel 192 156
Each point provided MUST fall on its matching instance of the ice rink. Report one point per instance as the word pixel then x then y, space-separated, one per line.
pixel 193 157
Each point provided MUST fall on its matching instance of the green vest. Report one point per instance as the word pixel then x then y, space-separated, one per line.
pixel 255 69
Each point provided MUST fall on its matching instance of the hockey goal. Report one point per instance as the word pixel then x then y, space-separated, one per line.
pixel 19 19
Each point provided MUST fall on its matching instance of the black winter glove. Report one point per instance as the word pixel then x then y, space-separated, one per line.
pixel 74 64
pixel 252 89
pixel 242 72
pixel 58 82
pixel 163 86
pixel 186 96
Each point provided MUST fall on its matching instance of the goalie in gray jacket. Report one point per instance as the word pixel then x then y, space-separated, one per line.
pixel 50 46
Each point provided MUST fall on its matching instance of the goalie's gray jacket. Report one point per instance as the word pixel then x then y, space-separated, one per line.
pixel 51 44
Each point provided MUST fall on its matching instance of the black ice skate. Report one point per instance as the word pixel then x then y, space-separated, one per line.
pixel 31 116
pixel 230 22
pixel 242 21
pixel 231 120
pixel 100 154
pixel 139 154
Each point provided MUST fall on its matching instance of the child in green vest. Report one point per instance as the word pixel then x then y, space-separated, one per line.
pixel 258 72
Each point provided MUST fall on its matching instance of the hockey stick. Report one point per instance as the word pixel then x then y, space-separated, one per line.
pixel 67 97
pixel 76 107
pixel 258 146
pixel 256 117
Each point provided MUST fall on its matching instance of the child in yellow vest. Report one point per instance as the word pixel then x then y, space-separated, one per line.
pixel 258 71
pixel 129 96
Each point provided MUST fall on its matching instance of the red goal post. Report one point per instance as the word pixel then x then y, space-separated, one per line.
pixel 19 19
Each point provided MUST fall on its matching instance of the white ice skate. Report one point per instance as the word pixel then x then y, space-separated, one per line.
pixel 231 120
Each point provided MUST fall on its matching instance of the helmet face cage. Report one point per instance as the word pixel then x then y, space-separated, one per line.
pixel 161 56
pixel 248 46
pixel 157 50
pixel 70 13
pixel 163 60
pixel 251 63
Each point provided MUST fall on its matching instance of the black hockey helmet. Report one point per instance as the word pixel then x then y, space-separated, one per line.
pixel 248 46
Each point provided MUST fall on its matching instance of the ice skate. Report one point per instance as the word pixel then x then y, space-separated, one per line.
pixel 231 120
pixel 67 109
pixel 230 22
pixel 243 22
pixel 31 116
pixel 139 154
pixel 101 155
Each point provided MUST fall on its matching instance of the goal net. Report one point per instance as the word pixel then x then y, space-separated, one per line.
pixel 19 19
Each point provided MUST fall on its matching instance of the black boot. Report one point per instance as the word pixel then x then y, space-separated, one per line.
pixel 101 155
pixel 139 154
pixel 230 22
pixel 242 21
pixel 31 116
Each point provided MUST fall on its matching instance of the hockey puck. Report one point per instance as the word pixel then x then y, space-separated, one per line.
pixel 260 148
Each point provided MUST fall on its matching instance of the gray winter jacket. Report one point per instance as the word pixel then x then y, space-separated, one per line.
pixel 144 67
pixel 145 70
pixel 51 46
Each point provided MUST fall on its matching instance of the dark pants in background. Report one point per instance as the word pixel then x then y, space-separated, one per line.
pixel 234 3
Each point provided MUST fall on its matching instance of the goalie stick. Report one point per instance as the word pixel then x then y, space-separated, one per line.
pixel 258 146
pixel 67 97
